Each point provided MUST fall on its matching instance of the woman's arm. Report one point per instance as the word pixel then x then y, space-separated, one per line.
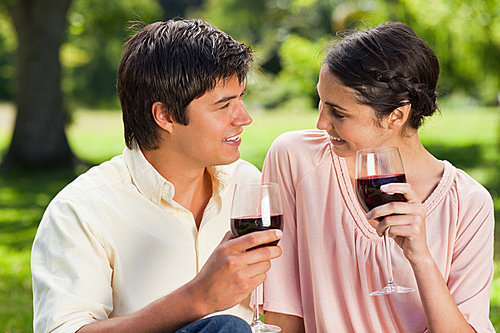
pixel 441 311
pixel 288 323
pixel 407 227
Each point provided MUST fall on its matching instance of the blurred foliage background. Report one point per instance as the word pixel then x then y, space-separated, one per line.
pixel 287 36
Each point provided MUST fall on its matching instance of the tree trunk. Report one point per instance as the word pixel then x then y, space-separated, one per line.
pixel 39 139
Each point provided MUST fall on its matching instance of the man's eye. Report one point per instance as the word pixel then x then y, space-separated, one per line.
pixel 225 106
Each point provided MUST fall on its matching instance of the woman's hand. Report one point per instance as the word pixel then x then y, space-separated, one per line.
pixel 406 221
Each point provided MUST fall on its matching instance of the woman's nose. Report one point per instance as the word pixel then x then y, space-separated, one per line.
pixel 322 123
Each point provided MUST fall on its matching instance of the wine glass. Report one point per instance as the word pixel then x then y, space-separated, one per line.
pixel 256 207
pixel 374 168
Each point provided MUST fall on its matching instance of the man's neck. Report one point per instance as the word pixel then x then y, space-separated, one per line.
pixel 193 186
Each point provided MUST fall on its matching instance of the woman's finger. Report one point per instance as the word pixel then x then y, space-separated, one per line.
pixel 402 188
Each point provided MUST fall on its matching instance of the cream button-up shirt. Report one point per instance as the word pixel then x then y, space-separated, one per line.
pixel 114 241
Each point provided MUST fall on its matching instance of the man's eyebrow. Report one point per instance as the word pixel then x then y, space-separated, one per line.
pixel 228 98
pixel 225 99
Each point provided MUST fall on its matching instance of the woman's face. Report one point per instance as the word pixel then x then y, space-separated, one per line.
pixel 351 126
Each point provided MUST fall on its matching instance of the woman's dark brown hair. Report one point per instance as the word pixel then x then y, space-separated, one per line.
pixel 388 66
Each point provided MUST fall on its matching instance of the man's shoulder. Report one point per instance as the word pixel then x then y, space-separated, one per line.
pixel 244 166
pixel 238 171
pixel 96 178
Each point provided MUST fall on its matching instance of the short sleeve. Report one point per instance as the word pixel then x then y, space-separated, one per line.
pixel 282 286
pixel 472 264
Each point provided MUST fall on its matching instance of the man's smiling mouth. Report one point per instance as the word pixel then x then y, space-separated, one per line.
pixel 234 138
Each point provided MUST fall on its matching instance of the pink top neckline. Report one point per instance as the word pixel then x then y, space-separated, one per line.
pixel 359 215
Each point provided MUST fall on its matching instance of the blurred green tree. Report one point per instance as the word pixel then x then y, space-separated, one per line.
pixel 8 45
pixel 465 34
pixel 288 36
pixel 90 59
pixel 94 44
pixel 39 139
pixel 178 8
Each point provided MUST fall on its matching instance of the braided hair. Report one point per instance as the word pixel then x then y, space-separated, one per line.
pixel 388 66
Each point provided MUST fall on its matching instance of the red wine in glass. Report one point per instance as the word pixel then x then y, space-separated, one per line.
pixel 369 193
pixel 374 168
pixel 257 207
pixel 245 225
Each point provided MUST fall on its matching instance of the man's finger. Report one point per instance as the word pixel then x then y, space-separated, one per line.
pixel 256 238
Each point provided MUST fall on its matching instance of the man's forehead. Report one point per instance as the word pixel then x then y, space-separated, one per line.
pixel 225 90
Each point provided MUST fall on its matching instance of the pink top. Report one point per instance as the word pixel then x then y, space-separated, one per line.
pixel 332 258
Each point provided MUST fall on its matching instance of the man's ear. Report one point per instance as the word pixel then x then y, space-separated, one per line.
pixel 399 116
pixel 162 117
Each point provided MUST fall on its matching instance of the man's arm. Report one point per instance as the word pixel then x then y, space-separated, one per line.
pixel 288 323
pixel 226 279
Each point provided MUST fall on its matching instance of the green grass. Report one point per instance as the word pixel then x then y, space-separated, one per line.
pixel 467 137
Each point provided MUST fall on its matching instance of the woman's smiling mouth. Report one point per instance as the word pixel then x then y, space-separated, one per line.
pixel 336 141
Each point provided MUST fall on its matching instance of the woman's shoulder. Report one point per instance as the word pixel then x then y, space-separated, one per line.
pixel 470 188
pixel 464 190
pixel 295 140
pixel 300 152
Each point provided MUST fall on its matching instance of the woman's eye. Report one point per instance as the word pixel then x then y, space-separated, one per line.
pixel 336 114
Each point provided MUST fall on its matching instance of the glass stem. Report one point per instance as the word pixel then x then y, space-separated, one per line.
pixel 388 256
pixel 256 317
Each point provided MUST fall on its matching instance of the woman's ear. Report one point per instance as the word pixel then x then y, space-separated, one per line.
pixel 399 116
pixel 162 116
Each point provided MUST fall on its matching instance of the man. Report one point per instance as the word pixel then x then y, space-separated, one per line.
pixel 133 244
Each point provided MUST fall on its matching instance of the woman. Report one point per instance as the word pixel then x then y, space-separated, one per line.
pixel 375 88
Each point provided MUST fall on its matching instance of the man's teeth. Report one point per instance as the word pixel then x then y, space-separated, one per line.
pixel 234 138
pixel 337 139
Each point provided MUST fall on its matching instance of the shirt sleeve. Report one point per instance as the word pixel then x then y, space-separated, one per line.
pixel 472 265
pixel 282 285
pixel 71 272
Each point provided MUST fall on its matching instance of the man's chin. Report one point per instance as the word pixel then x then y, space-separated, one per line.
pixel 228 161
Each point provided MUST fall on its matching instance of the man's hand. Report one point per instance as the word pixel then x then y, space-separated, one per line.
pixel 226 279
pixel 232 272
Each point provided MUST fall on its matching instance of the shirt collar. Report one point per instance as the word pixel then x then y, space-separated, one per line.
pixel 152 185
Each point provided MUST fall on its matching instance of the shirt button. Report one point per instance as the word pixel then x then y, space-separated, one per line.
pixel 154 200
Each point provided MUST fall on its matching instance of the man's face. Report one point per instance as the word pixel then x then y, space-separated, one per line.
pixel 215 121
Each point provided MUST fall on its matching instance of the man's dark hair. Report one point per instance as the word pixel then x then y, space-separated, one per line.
pixel 173 62
pixel 388 66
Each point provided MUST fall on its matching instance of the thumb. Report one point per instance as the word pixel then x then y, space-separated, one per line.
pixel 228 236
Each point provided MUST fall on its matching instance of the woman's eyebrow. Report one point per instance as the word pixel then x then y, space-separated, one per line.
pixel 332 104
pixel 336 106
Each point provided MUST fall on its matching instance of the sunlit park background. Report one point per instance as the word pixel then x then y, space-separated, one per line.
pixel 60 94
